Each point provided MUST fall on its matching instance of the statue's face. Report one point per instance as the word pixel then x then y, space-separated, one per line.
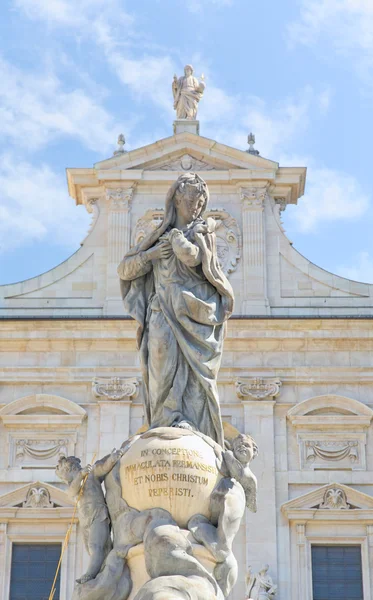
pixel 188 72
pixel 243 449
pixel 189 205
pixel 66 472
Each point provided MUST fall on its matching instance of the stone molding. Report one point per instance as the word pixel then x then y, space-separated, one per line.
pixel 56 412
pixel 258 388
pixel 115 388
pixel 330 412
pixel 186 162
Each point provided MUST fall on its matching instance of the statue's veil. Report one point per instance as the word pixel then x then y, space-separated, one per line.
pixel 170 211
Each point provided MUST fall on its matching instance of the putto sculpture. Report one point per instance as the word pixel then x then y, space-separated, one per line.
pixel 92 510
pixel 187 92
pixel 173 286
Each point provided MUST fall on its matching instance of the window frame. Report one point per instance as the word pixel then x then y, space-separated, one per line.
pixel 38 538
pixel 318 540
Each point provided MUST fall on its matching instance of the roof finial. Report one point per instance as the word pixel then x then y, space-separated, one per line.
pixel 121 142
pixel 251 142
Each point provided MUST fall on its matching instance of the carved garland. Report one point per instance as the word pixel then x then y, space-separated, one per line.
pixel 332 450
pixel 40 449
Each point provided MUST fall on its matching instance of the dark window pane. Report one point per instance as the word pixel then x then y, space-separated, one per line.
pixel 336 573
pixel 33 570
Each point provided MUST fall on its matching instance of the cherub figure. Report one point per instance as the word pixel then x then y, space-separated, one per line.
pixel 234 491
pixel 92 510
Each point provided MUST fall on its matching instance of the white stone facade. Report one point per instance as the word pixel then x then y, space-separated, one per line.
pixel 296 374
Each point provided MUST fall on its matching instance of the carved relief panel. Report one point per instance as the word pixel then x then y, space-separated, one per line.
pixel 332 451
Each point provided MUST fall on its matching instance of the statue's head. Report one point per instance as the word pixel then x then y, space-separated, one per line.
pixel 244 448
pixel 188 70
pixel 263 569
pixel 190 196
pixel 68 467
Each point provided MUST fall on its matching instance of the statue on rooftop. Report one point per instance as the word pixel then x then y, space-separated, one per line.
pixel 173 286
pixel 187 92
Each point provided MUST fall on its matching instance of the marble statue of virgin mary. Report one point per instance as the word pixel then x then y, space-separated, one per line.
pixel 173 286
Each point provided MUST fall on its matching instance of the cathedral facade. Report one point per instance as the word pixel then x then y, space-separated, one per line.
pixel 296 375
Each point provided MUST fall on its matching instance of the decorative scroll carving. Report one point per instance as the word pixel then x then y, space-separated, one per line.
pixel 332 450
pixel 335 498
pixel 228 235
pixel 91 205
pixel 185 163
pixel 253 197
pixel 258 388
pixel 228 239
pixel 115 388
pixel 120 198
pixel 42 450
pixel 38 498
pixel 146 224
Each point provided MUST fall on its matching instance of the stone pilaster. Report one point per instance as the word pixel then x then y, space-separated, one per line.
pixel 261 545
pixel 119 231
pixel 254 251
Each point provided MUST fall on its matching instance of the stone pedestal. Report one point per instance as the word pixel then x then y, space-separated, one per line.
pixel 186 125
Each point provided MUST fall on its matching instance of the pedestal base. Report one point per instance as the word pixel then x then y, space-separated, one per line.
pixel 187 125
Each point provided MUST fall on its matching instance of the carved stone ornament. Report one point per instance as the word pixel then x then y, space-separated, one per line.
pixel 228 235
pixel 114 388
pixel 185 163
pixel 253 197
pixel 42 450
pixel 120 198
pixel 335 498
pixel 332 450
pixel 91 205
pixel 38 498
pixel 258 388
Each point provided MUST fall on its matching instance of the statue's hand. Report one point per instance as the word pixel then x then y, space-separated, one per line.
pixel 116 454
pixel 86 471
pixel 161 250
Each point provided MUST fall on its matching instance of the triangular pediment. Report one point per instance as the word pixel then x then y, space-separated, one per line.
pixel 330 497
pixel 187 152
pixel 36 495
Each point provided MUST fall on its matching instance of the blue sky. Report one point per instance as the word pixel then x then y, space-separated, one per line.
pixel 76 73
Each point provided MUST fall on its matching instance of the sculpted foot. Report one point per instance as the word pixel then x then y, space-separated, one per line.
pixel 85 578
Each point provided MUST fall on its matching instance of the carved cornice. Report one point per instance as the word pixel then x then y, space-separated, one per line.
pixel 115 388
pixel 258 388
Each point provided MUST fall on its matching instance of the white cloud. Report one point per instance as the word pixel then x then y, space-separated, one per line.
pixel 360 270
pixel 330 196
pixel 347 25
pixel 230 118
pixel 34 206
pixel 36 109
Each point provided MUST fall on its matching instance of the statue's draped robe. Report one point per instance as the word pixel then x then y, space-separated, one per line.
pixel 188 95
pixel 182 312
